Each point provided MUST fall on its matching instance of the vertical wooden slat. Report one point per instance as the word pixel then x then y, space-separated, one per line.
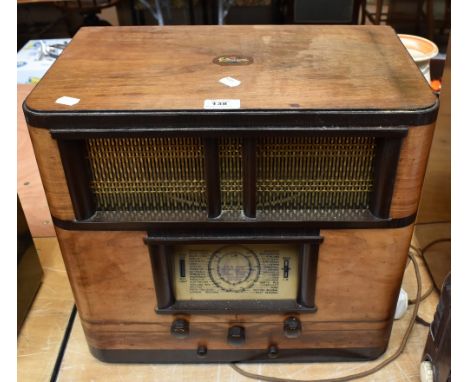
pixel 385 166
pixel 308 273
pixel 161 266
pixel 78 177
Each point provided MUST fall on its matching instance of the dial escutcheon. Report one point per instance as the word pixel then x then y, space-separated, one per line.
pixel 235 272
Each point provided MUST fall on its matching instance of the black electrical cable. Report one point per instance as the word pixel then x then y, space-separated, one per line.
pixel 420 253
pixel 427 246
pixel 422 321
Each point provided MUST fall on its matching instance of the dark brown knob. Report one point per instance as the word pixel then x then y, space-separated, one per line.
pixel 273 351
pixel 202 351
pixel 180 328
pixel 236 335
pixel 292 327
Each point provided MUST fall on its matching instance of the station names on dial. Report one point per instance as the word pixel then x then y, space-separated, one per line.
pixel 235 271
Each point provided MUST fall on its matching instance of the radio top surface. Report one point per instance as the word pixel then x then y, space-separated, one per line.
pixel 233 68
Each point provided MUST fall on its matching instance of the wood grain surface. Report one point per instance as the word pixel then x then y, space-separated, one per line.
pixel 51 170
pixel 359 276
pixel 29 184
pixel 411 170
pixel 294 67
pixel 258 336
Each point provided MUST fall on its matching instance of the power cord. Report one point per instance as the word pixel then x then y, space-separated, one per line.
pixel 365 373
pixel 422 321
pixel 427 246
pixel 412 301
pixel 420 253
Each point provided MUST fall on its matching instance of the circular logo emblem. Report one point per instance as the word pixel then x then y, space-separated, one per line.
pixel 234 268
pixel 233 60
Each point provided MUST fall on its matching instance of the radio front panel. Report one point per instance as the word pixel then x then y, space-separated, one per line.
pixel 352 317
pixel 275 231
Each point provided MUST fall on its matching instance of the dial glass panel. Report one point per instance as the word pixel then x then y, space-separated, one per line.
pixel 235 272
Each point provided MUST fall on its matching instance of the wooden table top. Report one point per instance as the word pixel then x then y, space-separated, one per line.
pixel 295 67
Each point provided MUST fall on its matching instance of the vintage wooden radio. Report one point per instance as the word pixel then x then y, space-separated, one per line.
pixel 234 193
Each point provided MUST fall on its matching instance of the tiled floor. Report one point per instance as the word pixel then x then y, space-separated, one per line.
pixel 40 338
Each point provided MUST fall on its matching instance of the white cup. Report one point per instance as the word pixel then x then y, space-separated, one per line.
pixel 422 51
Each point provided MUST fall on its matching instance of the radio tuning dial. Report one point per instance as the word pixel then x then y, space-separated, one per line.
pixel 292 327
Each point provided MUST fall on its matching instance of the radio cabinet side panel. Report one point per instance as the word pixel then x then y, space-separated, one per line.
pixel 52 174
pixel 411 170
pixel 360 272
pixel 110 274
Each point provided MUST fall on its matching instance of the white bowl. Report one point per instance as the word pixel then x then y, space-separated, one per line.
pixel 421 50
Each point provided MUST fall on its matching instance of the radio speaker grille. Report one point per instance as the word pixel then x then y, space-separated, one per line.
pixel 295 173
pixel 147 174
pixel 167 175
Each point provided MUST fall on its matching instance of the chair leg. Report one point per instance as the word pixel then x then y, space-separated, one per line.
pixel 378 11
pixel 191 12
pixel 363 11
